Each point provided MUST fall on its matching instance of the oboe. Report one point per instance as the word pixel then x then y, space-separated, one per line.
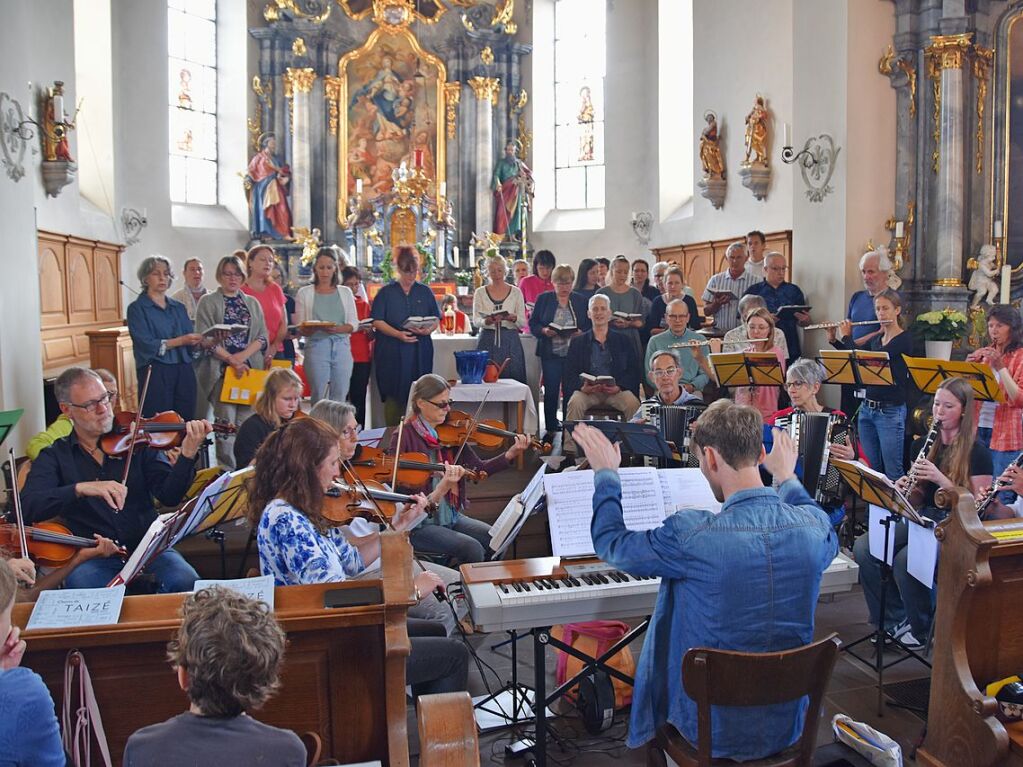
pixel 824 325
pixel 925 452
pixel 997 486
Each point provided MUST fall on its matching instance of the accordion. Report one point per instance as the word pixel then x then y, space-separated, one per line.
pixel 675 423
pixel 813 435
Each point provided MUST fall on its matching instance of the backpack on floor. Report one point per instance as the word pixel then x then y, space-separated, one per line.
pixel 594 638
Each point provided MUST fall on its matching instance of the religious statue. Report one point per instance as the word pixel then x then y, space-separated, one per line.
pixel 710 149
pixel 56 125
pixel 756 133
pixel 267 181
pixel 984 280
pixel 513 186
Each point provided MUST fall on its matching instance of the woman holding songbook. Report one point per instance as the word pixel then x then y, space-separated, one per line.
pixel 240 350
pixel 629 309
pixel 296 466
pixel 557 317
pixel 499 310
pixel 803 382
pixel 953 459
pixel 404 315
pixel 328 347
pixel 1004 354
pixel 881 423
pixel 450 531
pixel 760 338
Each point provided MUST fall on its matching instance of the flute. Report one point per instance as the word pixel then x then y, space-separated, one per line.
pixel 690 344
pixel 824 325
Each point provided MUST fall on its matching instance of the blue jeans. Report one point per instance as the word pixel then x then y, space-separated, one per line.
pixel 552 368
pixel 328 366
pixel 882 432
pixel 171 570
pixel 1000 460
pixel 467 540
pixel 984 436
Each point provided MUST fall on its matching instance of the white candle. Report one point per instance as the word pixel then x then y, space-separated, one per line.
pixel 443 188
pixel 786 130
pixel 898 230
pixel 58 109
pixel 351 254
pixel 472 256
pixel 369 255
pixel 1006 280
pixel 998 230
pixel 358 186
pixel 454 250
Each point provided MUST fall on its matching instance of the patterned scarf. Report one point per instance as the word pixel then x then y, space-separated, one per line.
pixel 443 454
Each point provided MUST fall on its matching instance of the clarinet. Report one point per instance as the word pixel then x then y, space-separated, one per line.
pixel 996 487
pixel 932 437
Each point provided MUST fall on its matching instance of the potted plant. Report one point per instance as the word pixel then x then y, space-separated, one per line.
pixel 387 267
pixel 939 330
pixel 463 280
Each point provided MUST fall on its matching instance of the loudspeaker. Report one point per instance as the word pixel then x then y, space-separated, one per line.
pixel 597 701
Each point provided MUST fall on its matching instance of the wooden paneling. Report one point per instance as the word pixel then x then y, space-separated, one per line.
pixel 79 291
pixel 700 260
pixel 111 348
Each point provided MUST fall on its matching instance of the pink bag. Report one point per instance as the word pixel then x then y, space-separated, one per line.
pixel 80 720
pixel 593 638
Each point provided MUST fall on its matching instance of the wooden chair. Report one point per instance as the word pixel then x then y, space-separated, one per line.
pixel 726 678
pixel 447 731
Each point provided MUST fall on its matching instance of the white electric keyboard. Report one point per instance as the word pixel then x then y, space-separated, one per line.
pixel 526 593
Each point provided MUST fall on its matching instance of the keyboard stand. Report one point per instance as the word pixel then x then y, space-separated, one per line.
pixel 541 639
pixel 520 693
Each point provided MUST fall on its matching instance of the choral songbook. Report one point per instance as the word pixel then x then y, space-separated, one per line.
pixel 562 330
pixel 221 328
pixel 649 496
pixel 420 323
pixel 627 316
pixel 784 312
pixel 586 378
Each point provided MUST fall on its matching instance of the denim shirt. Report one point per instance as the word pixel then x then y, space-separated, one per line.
pixel 151 325
pixel 745 579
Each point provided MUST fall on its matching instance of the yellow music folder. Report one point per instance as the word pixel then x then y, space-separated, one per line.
pixel 287 364
pixel 243 390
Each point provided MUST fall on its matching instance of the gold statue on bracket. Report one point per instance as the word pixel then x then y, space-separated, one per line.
pixel 756 133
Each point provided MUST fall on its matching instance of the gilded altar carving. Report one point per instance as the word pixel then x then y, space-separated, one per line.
pixel 452 95
pixel 301 78
pixel 264 94
pixel 485 88
pixel 982 58
pixel 487 55
pixel 906 66
pixel 332 93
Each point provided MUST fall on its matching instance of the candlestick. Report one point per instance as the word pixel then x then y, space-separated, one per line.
pixel 454 250
pixel 369 255
pixel 1006 284
pixel 998 230
pixel 358 186
pixel 898 229
pixel 472 256
pixel 443 188
pixel 417 158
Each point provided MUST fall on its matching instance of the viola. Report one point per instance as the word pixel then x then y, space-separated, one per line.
pixel 489 434
pixel 414 469
pixel 163 431
pixel 343 502
pixel 49 544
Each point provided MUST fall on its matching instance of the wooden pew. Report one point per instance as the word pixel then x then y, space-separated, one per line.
pixel 978 639
pixel 343 674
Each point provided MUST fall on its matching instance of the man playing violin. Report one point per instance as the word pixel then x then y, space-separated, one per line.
pixel 75 480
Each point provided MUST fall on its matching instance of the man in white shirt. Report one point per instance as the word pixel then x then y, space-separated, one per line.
pixel 721 296
pixel 194 289
pixel 755 242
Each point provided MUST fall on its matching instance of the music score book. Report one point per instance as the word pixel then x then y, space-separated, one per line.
pixel 928 374
pixel 649 496
pixel 859 368
pixel 747 369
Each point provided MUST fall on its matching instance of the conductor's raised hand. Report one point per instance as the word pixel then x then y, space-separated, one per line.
pixel 598 449
pixel 781 461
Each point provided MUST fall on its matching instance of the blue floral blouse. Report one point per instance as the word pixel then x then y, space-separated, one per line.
pixel 294 552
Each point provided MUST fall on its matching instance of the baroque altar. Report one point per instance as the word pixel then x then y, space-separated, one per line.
pixel 389 116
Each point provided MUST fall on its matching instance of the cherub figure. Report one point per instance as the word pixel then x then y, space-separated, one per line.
pixel 984 280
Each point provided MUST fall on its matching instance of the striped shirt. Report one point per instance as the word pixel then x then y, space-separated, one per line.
pixel 727 316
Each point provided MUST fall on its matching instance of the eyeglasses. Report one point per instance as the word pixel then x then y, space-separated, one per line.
pixel 795 384
pixel 662 372
pixel 679 317
pixel 440 405
pixel 351 431
pixel 94 405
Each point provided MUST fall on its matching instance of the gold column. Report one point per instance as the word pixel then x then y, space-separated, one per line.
pixel 332 93
pixel 300 79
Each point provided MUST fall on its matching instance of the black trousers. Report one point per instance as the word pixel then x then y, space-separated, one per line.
pixel 171 387
pixel 357 389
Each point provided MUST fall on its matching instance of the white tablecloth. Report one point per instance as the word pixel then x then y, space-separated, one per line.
pixel 499 394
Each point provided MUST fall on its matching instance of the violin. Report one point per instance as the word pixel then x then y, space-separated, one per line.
pixel 414 469
pixel 489 434
pixel 163 431
pixel 343 502
pixel 49 544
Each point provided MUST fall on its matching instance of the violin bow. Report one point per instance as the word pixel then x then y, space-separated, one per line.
pixel 383 519
pixel 472 425
pixel 135 429
pixel 18 517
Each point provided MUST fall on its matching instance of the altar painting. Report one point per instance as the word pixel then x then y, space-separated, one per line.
pixel 392 91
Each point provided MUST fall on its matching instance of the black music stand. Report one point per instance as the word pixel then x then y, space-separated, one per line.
pixel 855 367
pixel 733 369
pixel 635 438
pixel 8 420
pixel 928 374
pixel 876 489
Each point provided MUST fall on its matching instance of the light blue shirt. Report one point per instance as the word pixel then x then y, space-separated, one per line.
pixel 692 373
pixel 744 579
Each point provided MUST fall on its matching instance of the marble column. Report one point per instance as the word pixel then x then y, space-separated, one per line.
pixel 486 90
pixel 947 64
pixel 298 85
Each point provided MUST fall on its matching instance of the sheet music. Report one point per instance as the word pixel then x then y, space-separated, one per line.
pixel 570 507
pixel 260 588
pixel 686 489
pixel 210 496
pixel 532 492
pixel 70 608
pixel 922 557
pixel 876 533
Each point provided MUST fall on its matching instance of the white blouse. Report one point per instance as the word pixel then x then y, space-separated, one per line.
pixel 483 304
